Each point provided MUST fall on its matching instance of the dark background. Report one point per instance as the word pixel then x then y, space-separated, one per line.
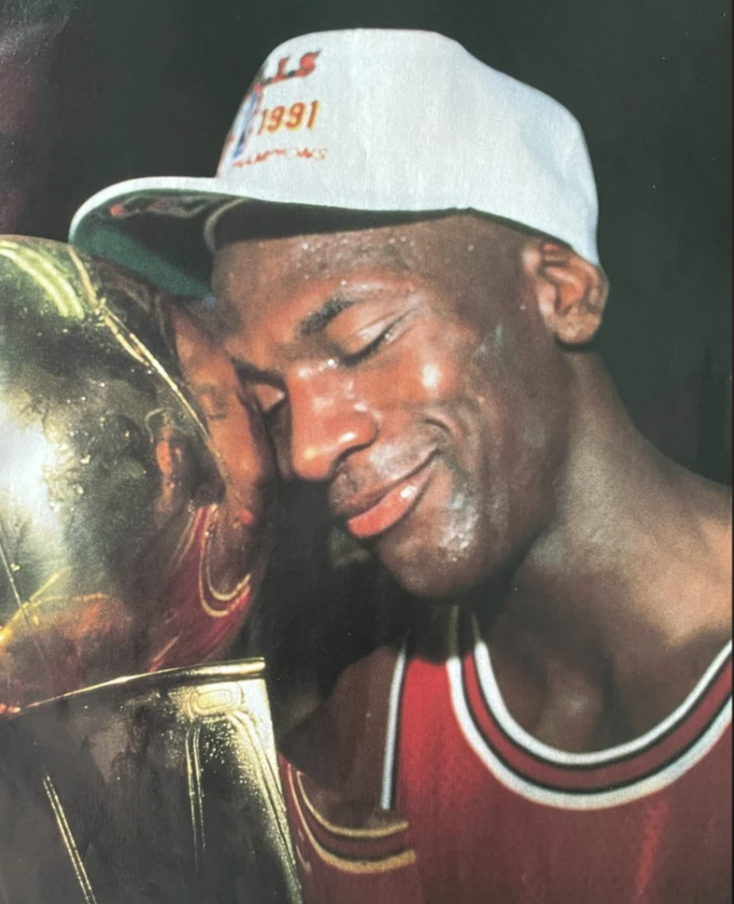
pixel 149 87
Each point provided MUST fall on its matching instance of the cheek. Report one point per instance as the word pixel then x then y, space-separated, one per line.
pixel 428 369
pixel 498 355
pixel 441 358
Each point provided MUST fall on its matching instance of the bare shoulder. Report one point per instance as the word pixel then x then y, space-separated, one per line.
pixel 698 585
pixel 712 518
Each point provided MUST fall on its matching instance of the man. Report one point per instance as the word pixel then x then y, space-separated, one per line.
pixel 409 292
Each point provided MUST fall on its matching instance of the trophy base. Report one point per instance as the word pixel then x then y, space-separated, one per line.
pixel 152 789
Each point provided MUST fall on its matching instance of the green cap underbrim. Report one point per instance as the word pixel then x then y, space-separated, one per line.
pixel 120 247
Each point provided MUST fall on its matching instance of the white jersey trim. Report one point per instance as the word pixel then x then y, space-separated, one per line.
pixel 583 800
pixel 521 737
pixel 391 735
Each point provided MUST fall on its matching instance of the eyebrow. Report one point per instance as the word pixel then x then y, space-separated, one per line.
pixel 318 320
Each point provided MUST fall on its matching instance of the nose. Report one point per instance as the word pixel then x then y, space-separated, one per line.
pixel 327 423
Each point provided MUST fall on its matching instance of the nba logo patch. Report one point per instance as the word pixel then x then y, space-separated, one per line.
pixel 243 126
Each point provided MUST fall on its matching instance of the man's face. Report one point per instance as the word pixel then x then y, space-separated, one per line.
pixel 406 369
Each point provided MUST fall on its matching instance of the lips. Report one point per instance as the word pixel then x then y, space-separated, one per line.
pixel 392 506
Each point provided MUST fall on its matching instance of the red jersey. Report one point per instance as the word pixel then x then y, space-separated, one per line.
pixel 490 815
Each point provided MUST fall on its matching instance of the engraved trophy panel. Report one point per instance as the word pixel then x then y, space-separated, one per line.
pixel 149 790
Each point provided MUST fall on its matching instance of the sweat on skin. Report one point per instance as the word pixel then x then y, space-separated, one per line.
pixel 433 377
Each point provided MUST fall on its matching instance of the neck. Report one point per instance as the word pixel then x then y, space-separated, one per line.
pixel 635 558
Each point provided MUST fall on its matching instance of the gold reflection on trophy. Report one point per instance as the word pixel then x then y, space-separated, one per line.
pixel 134 486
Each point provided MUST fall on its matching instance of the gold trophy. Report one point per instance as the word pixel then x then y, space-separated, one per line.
pixel 135 495
pixel 158 788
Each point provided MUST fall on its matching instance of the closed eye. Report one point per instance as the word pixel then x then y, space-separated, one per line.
pixel 352 359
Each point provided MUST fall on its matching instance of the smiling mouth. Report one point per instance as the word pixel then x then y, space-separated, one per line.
pixel 393 506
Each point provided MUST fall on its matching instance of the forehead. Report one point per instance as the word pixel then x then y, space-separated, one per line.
pixel 266 281
pixel 257 280
pixel 318 255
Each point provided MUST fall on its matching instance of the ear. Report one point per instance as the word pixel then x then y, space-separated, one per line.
pixel 570 291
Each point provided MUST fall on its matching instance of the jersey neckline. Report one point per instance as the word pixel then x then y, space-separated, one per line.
pixel 595 780
pixel 496 703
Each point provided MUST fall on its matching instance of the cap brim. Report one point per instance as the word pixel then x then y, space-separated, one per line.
pixel 154 226
pixel 163 228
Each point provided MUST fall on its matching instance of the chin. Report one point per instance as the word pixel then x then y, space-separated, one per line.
pixel 440 552
pixel 433 574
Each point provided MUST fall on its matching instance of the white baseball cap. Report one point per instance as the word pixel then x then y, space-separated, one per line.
pixel 363 120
